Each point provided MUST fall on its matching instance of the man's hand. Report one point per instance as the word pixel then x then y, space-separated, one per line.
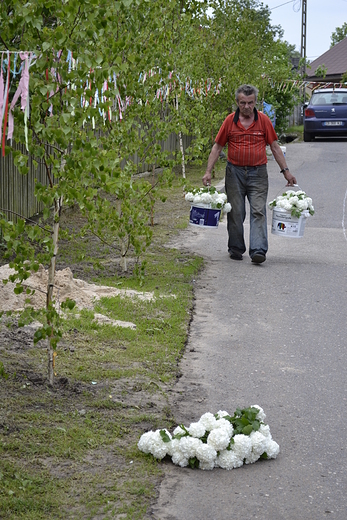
pixel 206 180
pixel 291 180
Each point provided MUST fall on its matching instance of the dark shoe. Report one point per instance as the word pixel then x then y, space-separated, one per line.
pixel 258 258
pixel 235 256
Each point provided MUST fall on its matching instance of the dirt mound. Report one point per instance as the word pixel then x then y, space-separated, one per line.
pixel 65 287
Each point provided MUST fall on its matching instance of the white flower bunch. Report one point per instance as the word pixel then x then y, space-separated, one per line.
pixel 296 202
pixel 215 441
pixel 210 197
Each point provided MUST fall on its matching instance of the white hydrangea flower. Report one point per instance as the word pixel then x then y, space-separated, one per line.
pixel 173 446
pixel 219 439
pixel 196 199
pixel 265 430
pixel 309 204
pixel 205 453
pixel 272 449
pixel 253 457
pixel 208 420
pixel 179 431
pixel 207 466
pixel 197 429
pixel 151 442
pixel 221 413
pixel 228 459
pixel 206 198
pixel 220 198
pixel 287 205
pixel 188 446
pixel 242 446
pixel 226 425
pixel 259 442
pixel 261 414
pixel 189 196
pixel 179 459
pixel 144 442
pixel 227 207
pixel 302 204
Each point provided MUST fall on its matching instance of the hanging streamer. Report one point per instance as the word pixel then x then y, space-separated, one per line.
pixel 6 98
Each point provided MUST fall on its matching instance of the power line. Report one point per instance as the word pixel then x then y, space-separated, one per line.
pixel 296 5
pixel 285 3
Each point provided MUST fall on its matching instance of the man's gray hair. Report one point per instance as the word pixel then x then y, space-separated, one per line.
pixel 247 90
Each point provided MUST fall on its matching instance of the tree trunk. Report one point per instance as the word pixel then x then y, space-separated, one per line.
pixel 181 146
pixel 58 204
pixel 123 248
pixel 153 181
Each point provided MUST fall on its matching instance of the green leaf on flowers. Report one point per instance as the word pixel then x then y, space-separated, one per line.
pixel 230 445
pixel 247 430
pixel 181 435
pixel 264 456
pixel 256 425
pixel 193 462
pixel 164 436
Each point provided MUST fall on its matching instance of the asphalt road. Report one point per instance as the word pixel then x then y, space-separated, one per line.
pixel 274 335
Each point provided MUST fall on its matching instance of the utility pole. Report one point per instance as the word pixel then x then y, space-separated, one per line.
pixel 303 47
pixel 303 36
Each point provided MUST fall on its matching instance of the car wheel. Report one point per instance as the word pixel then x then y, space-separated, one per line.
pixel 308 137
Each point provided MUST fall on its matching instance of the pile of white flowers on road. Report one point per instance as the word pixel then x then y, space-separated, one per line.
pixel 296 202
pixel 208 197
pixel 215 441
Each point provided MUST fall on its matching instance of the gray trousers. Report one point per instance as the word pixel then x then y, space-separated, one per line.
pixel 251 182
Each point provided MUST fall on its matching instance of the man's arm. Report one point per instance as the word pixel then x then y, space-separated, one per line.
pixel 280 159
pixel 212 159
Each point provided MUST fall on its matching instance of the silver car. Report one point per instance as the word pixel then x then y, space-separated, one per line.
pixel 326 114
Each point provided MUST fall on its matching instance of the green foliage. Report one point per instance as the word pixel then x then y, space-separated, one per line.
pixel 164 436
pixel 68 304
pixel 3 373
pixel 245 420
pixel 193 462
pixel 321 71
pixel 339 34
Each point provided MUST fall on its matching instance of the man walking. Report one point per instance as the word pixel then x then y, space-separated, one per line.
pixel 247 133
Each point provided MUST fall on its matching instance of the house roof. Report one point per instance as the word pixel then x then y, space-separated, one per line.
pixel 335 61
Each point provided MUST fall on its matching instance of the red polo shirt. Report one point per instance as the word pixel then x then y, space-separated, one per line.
pixel 246 147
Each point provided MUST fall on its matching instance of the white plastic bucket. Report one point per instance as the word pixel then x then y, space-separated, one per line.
pixel 204 216
pixel 285 225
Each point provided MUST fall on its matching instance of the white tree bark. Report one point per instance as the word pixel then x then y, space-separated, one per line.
pixel 181 146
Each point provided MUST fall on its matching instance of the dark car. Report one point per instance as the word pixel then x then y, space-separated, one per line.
pixel 326 114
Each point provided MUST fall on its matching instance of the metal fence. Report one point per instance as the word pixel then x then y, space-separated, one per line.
pixel 17 197
pixel 17 190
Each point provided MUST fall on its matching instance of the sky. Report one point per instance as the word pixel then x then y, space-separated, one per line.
pixel 323 16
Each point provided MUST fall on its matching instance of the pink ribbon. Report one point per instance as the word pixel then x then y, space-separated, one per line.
pixel 22 91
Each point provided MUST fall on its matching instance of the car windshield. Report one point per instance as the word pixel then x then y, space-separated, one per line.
pixel 329 98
